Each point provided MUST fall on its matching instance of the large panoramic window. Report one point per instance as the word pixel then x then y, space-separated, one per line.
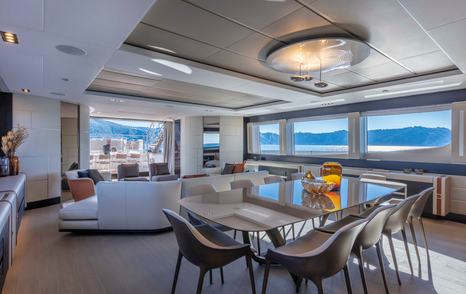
pixel 408 131
pixel 269 138
pixel 117 141
pixel 318 137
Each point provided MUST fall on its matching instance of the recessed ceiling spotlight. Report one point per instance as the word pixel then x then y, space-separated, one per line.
pixel 57 93
pixel 65 79
pixel 25 90
pixel 8 37
pixel 71 50
pixel 385 91
pixel 149 72
pixel 174 65
pixel 161 49
pixel 321 84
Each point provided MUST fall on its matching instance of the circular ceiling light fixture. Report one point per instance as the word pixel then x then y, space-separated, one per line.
pixel 311 57
pixel 71 50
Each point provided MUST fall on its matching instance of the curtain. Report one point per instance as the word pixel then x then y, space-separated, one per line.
pixel 168 145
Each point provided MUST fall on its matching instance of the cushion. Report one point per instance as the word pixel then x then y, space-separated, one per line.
pixel 238 168
pixel 81 210
pixel 228 169
pixel 74 166
pixel 95 175
pixel 160 169
pixel 195 176
pixel 83 174
pixel 164 178
pixel 128 170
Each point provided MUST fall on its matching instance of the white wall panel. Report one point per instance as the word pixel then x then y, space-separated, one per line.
pixel 191 145
pixel 84 142
pixel 40 155
pixel 231 139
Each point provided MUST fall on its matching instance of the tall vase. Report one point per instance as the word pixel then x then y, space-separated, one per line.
pixel 14 166
pixel 4 166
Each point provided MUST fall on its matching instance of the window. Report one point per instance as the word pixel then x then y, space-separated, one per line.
pixel 211 149
pixel 408 131
pixel 117 141
pixel 269 135
pixel 317 137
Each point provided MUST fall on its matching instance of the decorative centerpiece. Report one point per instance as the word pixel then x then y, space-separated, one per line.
pixel 316 186
pixel 10 143
pixel 331 172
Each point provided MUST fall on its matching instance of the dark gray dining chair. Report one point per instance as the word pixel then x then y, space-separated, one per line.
pixel 367 238
pixel 396 223
pixel 207 248
pixel 316 255
pixel 416 214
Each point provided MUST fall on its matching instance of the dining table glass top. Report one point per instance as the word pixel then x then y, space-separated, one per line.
pixel 271 206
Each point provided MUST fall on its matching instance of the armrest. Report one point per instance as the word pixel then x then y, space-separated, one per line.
pixel 81 188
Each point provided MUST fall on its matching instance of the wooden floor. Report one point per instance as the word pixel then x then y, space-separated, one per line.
pixel 47 261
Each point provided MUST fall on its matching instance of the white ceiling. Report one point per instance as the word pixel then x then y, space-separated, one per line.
pixel 224 43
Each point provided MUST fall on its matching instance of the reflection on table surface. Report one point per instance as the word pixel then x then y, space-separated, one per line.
pixel 270 206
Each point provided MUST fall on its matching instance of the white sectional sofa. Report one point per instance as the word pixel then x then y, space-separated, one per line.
pixel 137 206
pixel 122 206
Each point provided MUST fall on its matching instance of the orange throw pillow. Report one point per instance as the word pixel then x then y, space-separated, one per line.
pixel 239 168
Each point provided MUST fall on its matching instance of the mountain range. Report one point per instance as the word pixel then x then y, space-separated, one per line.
pixel 101 128
pixel 410 136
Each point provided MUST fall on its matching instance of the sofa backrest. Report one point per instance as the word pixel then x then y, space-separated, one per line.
pixel 222 182
pixel 136 205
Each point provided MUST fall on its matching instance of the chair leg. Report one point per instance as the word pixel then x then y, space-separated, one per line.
pixel 378 246
pixel 210 277
pixel 221 275
pixel 266 277
pixel 318 283
pixel 177 271
pixel 405 241
pixel 313 224
pixel 392 249
pixel 413 234
pixel 292 232
pixel 425 237
pixel 258 244
pixel 202 273
pixel 347 279
pixel 251 274
pixel 361 269
pixel 234 234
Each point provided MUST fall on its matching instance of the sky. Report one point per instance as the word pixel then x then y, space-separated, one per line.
pixel 211 138
pixel 424 119
pixel 131 123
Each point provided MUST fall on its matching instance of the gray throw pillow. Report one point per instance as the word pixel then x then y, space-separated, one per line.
pixel 228 169
pixel 161 169
pixel 95 175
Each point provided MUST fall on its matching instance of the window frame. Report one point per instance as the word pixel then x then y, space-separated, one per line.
pixel 272 122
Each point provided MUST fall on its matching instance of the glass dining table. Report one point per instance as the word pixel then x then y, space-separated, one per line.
pixel 270 207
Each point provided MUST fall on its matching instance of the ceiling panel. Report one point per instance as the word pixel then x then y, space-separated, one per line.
pixel 13 13
pixel 384 24
pixel 127 84
pixel 185 19
pixel 383 72
pixel 146 36
pixel 429 62
pixel 298 24
pixel 434 13
pixel 255 46
pixel 347 79
pixel 253 13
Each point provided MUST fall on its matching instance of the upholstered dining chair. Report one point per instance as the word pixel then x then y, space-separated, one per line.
pixel 241 184
pixel 396 223
pixel 369 236
pixel 416 214
pixel 316 255
pixel 207 248
pixel 273 179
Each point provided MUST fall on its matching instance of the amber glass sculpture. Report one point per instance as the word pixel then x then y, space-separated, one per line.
pixel 331 172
